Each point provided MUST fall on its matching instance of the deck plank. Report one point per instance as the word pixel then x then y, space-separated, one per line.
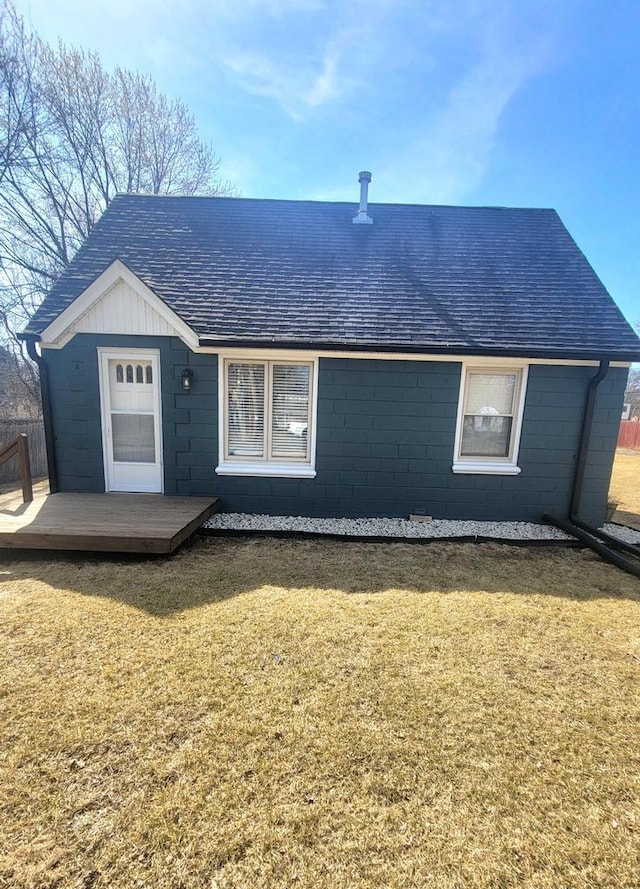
pixel 143 523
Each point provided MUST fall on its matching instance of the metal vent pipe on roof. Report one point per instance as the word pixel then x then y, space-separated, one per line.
pixel 364 179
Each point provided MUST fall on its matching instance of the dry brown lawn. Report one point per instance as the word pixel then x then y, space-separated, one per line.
pixel 272 713
pixel 625 481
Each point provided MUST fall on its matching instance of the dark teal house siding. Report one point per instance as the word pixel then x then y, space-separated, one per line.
pixel 189 420
pixel 75 409
pixel 385 438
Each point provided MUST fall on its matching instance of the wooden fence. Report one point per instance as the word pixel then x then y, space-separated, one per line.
pixel 10 429
pixel 629 434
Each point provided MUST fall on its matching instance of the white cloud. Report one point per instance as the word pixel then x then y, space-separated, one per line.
pixel 315 55
pixel 170 54
pixel 414 89
pixel 451 155
pixel 295 87
pixel 447 148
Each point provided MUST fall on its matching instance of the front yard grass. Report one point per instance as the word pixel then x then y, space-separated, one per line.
pixel 625 482
pixel 272 713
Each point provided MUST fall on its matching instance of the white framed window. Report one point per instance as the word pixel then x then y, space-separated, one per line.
pixel 490 410
pixel 267 410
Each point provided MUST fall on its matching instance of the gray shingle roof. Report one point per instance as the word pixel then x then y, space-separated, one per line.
pixel 421 278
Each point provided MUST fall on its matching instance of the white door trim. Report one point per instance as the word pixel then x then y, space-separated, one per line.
pixel 152 355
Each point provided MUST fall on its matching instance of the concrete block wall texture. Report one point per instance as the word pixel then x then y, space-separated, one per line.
pixel 75 407
pixel 604 439
pixel 385 438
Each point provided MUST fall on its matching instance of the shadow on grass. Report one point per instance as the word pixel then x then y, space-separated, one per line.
pixel 626 518
pixel 214 569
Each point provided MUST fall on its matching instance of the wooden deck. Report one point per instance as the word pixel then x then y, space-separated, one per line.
pixel 124 523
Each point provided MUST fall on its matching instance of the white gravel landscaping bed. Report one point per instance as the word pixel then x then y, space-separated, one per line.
pixel 629 535
pixel 443 528
pixel 232 521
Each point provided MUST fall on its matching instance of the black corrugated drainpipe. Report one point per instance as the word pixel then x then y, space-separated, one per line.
pixel 586 534
pixel 593 537
pixel 585 437
pixel 46 411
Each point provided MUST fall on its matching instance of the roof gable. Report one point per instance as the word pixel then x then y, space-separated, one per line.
pixel 117 302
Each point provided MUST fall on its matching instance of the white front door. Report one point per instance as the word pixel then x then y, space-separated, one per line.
pixel 131 421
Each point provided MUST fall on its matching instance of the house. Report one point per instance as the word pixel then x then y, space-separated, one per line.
pixel 313 358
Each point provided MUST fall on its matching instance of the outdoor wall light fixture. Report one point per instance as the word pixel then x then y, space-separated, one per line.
pixel 187 377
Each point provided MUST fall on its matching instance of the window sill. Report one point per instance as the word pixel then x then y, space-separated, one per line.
pixel 267 470
pixel 477 468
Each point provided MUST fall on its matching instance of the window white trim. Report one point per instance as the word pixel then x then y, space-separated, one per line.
pixel 253 466
pixel 492 465
pixel 469 467
pixel 268 470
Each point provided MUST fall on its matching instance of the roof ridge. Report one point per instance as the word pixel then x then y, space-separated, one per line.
pixel 244 199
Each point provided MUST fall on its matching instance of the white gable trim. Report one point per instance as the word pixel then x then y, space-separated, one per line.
pixel 65 326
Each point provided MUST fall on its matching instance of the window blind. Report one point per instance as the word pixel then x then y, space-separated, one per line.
pixel 490 393
pixel 268 411
pixel 246 410
pixel 488 414
pixel 290 413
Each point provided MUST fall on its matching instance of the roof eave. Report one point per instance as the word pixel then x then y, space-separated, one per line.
pixel 426 349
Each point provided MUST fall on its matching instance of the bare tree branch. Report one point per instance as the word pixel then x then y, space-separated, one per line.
pixel 73 135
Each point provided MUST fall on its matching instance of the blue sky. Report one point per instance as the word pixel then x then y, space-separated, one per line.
pixel 479 102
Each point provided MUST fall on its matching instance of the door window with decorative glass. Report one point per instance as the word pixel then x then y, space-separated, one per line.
pixel 132 401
